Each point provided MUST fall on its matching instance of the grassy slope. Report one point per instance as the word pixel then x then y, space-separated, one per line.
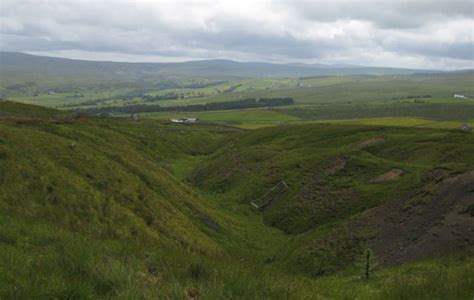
pixel 400 122
pixel 96 207
pixel 257 159
pixel 320 202
pixel 106 200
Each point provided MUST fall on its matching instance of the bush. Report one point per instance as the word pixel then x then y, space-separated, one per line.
pixel 198 271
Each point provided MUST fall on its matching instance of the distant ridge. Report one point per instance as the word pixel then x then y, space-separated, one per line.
pixel 21 63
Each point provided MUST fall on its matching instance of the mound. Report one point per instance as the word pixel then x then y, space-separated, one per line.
pixel 390 175
pixel 371 141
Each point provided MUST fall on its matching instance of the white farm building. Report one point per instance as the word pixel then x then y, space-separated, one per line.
pixel 184 120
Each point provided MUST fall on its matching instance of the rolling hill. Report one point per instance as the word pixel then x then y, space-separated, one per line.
pixel 20 63
pixel 122 208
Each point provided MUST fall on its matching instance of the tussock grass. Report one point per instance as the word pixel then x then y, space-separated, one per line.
pixel 146 209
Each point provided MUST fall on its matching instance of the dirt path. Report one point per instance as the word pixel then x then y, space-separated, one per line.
pixel 390 175
pixel 371 141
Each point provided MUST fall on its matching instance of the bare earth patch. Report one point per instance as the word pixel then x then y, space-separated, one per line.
pixel 390 175
pixel 337 165
pixel 371 141
pixel 407 230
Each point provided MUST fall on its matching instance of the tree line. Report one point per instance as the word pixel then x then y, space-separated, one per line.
pixel 236 104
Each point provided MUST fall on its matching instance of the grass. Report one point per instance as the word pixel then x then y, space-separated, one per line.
pixel 448 111
pixel 248 118
pixel 401 122
pixel 314 91
pixel 335 99
pixel 48 262
pixel 260 118
pixel 318 205
pixel 116 208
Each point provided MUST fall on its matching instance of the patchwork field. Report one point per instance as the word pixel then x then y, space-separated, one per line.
pixel 423 100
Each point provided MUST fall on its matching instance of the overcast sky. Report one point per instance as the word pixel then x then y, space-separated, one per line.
pixel 415 34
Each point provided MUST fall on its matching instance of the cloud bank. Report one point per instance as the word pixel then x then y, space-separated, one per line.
pixel 416 34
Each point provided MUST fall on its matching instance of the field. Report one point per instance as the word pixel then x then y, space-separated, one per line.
pixel 385 99
pixel 249 118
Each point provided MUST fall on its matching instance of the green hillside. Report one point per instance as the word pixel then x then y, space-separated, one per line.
pixel 117 208
pixel 339 174
pixel 21 63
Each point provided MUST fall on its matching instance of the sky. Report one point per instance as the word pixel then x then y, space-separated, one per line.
pixel 426 34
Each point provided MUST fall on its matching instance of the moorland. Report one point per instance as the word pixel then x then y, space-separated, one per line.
pixel 295 183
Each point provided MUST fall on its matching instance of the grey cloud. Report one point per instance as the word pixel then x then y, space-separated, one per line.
pixel 385 13
pixel 292 33
pixel 457 50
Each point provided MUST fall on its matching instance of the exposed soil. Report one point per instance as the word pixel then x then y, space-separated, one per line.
pixel 337 165
pixel 390 175
pixel 433 221
pixel 371 141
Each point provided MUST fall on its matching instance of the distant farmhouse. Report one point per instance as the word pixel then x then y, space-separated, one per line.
pixel 459 96
pixel 184 120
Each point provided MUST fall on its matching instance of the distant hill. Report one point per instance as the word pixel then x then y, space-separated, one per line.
pixel 21 63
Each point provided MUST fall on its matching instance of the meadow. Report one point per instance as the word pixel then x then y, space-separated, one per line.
pixel 354 98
